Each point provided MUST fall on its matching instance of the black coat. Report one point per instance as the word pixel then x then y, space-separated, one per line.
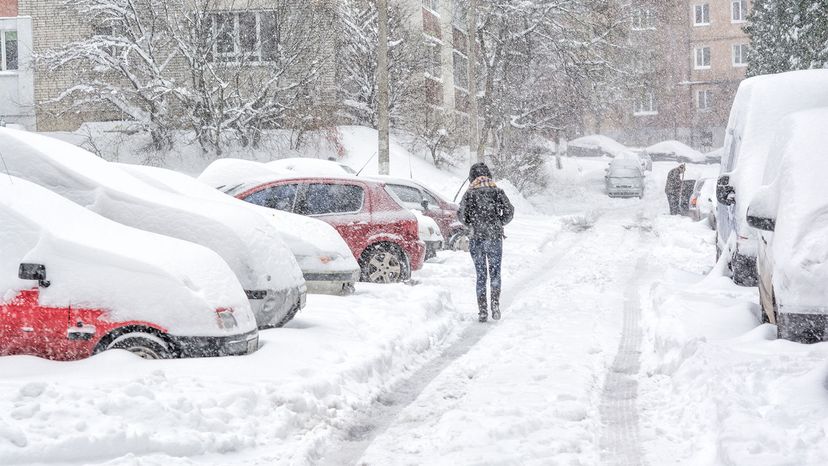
pixel 485 211
pixel 674 182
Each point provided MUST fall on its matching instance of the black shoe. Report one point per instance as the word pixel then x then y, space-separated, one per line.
pixel 495 310
pixel 482 317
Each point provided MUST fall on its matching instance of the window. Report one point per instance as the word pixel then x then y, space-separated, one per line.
pixel 460 15
pixel 8 51
pixel 433 203
pixel 461 71
pixel 740 55
pixel 704 99
pixel 245 36
pixel 434 62
pixel 703 58
pixel 323 199
pixel 702 15
pixel 433 5
pixel 645 105
pixel 642 19
pixel 277 197
pixel 738 10
pixel 407 194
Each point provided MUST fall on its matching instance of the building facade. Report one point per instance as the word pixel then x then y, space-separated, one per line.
pixel 17 104
pixel 693 55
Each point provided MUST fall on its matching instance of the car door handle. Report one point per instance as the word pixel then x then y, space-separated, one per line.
pixel 27 329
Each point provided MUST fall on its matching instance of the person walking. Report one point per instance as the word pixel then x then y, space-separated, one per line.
pixel 485 209
pixel 675 181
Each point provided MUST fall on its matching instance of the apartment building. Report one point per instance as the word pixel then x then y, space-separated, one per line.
pixel 693 55
pixel 16 72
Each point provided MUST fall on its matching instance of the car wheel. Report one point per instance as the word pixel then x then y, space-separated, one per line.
pixel 384 264
pixel 744 270
pixel 146 345
pixel 459 242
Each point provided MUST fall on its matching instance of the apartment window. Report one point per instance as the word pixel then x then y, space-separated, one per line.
pixel 740 53
pixel 642 20
pixel 738 10
pixel 245 36
pixel 645 105
pixel 433 5
pixel 434 61
pixel 461 71
pixel 704 99
pixel 703 58
pixel 702 14
pixel 8 51
pixel 460 15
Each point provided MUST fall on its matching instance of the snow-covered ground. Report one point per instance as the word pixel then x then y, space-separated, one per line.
pixel 614 348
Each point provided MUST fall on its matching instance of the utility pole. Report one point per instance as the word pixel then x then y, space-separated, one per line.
pixel 383 156
pixel 474 132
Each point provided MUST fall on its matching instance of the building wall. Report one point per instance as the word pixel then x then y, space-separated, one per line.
pixel 8 8
pixel 17 86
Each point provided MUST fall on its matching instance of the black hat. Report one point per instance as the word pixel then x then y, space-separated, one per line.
pixel 479 169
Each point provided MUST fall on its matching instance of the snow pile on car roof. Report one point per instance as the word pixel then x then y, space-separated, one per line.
pixel 95 263
pixel 682 152
pixel 247 242
pixel 232 176
pixel 599 143
pixel 797 196
pixel 311 167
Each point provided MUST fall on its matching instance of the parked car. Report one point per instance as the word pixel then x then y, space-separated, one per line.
pixel 595 146
pixel 429 234
pixel 790 215
pixel 703 201
pixel 761 104
pixel 415 195
pixel 249 244
pixel 674 151
pixel 325 259
pixel 624 179
pixel 382 234
pixel 73 283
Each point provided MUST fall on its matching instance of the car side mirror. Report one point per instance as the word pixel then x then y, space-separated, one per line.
pixel 424 203
pixel 761 223
pixel 34 272
pixel 725 193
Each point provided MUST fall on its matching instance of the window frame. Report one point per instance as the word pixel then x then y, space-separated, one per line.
pixel 432 6
pixel 705 8
pixel 648 108
pixel 743 7
pixel 463 82
pixel 641 19
pixel 708 100
pixel 239 55
pixel 696 65
pixel 434 48
pixel 743 49
pixel 4 52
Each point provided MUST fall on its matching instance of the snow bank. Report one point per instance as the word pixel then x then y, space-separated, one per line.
pixel 96 263
pixel 247 242
pixel 675 150
pixel 596 146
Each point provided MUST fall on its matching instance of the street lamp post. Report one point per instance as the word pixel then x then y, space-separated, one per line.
pixel 474 133
pixel 383 156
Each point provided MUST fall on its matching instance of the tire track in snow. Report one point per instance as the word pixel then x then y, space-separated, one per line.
pixel 620 443
pixel 387 408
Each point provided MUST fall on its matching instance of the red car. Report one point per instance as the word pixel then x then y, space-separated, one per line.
pixel 381 233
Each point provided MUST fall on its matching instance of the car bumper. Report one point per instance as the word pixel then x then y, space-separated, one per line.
pixel 271 307
pixel 624 193
pixel 804 328
pixel 209 347
pixel 416 254
pixel 334 283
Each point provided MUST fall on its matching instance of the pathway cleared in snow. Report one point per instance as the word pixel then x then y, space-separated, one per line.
pixel 531 388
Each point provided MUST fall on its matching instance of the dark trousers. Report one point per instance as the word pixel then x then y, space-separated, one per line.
pixel 487 255
pixel 673 200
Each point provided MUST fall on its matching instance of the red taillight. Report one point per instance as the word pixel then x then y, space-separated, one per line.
pixel 411 229
pixel 693 202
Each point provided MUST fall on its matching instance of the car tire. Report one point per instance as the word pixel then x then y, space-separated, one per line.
pixel 744 270
pixel 459 242
pixel 145 345
pixel 384 264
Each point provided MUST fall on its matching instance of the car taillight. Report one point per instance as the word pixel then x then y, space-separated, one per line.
pixel 225 318
pixel 693 202
pixel 412 229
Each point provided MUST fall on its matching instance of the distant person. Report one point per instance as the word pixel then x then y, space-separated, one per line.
pixel 485 209
pixel 675 181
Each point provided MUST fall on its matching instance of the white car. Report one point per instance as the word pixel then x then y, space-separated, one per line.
pixel 429 234
pixel 703 201
pixel 326 262
pixel 790 213
pixel 595 146
pixel 760 106
pixel 247 242
pixel 73 283
pixel 624 178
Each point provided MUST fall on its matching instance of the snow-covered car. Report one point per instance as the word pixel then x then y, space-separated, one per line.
pixel 326 262
pixel 73 283
pixel 305 166
pixel 416 196
pixel 643 159
pixel 790 213
pixel 674 151
pixel 429 234
pixel 703 201
pixel 382 234
pixel 624 178
pixel 760 105
pixel 249 244
pixel 595 146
